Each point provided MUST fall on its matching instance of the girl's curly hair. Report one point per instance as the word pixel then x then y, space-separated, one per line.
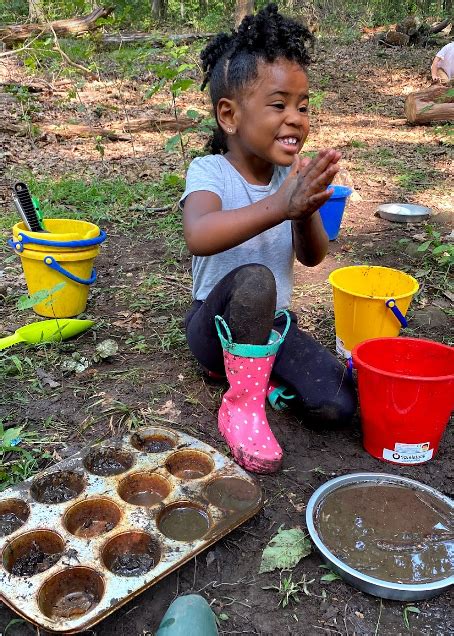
pixel 229 62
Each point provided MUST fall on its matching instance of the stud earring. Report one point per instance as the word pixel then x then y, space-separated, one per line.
pixel 230 130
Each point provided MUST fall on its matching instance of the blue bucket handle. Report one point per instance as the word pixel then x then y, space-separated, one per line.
pixel 52 263
pixel 391 304
pixel 24 239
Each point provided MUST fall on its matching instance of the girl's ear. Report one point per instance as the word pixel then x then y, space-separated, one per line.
pixel 226 115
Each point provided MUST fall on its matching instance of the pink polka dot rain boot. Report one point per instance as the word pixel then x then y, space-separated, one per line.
pixel 242 419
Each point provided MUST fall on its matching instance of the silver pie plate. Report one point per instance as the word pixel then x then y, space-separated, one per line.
pixel 403 212
pixel 377 587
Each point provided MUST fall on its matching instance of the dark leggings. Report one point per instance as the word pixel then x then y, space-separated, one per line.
pixel 246 298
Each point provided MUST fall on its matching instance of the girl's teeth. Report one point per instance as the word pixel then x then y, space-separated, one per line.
pixel 289 141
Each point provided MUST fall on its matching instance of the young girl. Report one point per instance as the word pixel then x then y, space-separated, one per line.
pixel 249 208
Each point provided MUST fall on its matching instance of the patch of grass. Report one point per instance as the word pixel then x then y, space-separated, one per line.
pixel 357 143
pixel 101 199
pixel 22 453
pixel 412 180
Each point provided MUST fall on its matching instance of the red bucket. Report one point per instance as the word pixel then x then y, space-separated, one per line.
pixel 406 396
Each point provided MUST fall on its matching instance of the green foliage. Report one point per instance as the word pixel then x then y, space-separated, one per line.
pixel 330 577
pixel 173 77
pixel 20 451
pixel 27 302
pixel 441 253
pixel 407 610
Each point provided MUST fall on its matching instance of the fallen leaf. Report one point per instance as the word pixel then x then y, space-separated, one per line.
pixel 285 550
pixel 107 348
pixel 46 378
pixel 169 409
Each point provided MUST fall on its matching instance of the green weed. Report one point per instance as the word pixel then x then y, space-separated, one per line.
pixel 289 590
pixel 21 452
pixel 409 609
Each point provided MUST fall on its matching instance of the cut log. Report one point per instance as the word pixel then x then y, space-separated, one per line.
pixel 10 34
pixel 115 131
pixel 437 28
pixel 152 38
pixel 394 38
pixel 435 103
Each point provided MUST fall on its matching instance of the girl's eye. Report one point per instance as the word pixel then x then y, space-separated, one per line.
pixel 303 109
pixel 280 106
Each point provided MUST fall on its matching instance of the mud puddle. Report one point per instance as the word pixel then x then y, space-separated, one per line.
pixel 389 532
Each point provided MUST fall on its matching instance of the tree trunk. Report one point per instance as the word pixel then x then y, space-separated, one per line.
pixel 158 9
pixel 13 33
pixel 435 103
pixel 36 10
pixel 242 9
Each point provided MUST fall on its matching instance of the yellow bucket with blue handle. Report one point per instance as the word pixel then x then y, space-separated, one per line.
pixel 60 260
pixel 69 234
pixel 369 302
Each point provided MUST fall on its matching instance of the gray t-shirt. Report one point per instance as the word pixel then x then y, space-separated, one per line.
pixel 273 248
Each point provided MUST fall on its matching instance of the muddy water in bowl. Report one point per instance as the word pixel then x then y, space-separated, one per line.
pixel 389 532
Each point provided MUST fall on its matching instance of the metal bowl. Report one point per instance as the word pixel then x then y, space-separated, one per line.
pixel 364 582
pixel 403 212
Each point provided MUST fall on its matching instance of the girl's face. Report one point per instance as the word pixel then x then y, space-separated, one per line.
pixel 270 119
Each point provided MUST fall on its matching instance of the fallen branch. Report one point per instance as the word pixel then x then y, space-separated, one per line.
pixel 114 132
pixel 68 60
pixel 12 33
pixel 153 39
pixel 436 28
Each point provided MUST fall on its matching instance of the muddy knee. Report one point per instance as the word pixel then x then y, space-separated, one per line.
pixel 332 413
pixel 252 304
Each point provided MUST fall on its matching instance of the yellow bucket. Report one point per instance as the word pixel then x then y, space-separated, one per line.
pixel 46 271
pixel 369 302
pixel 64 234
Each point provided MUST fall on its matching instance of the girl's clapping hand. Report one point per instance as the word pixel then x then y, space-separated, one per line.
pixel 305 189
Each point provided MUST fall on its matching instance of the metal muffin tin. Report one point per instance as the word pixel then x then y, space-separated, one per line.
pixel 359 580
pixel 79 589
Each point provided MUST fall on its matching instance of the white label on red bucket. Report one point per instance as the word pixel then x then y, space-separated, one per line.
pixel 405 449
pixel 408 457
pixel 341 350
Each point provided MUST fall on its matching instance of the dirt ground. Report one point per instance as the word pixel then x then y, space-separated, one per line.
pixel 153 379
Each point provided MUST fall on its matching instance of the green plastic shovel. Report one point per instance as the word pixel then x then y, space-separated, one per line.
pixel 47 331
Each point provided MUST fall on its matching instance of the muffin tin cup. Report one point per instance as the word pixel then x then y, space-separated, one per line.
pixel 169 497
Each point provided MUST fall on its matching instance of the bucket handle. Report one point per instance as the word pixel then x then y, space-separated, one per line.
pixel 349 365
pixel 52 263
pixel 24 239
pixel 391 304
